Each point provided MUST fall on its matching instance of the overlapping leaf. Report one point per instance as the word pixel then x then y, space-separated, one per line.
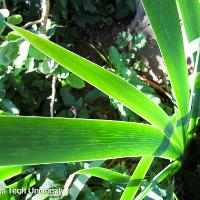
pixel 191 19
pixel 106 174
pixel 164 19
pixel 169 170
pixel 137 178
pixel 10 171
pixel 104 80
pixel 33 140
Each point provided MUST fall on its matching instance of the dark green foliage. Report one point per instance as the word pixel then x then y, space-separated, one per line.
pixel 2 23
pixel 94 13
pixel 26 74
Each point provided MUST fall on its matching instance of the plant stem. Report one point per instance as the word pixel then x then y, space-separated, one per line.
pixel 31 23
pixel 53 95
pixel 155 86
pixel 45 4
pixel 45 14
pixel 5 4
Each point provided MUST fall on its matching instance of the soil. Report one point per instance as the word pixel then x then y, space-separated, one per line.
pixel 105 36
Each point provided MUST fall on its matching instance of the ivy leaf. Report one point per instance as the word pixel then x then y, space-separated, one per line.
pixel 12 36
pixel 61 72
pixel 115 58
pixel 75 81
pixel 34 53
pixel 15 19
pixel 93 95
pixel 89 6
pixel 9 106
pixel 47 66
pixel 67 97
pixel 2 23
pixel 30 65
pixel 23 53
pixel 8 52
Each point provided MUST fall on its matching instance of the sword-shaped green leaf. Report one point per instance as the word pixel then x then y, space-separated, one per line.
pixel 106 174
pixel 102 79
pixel 164 19
pixel 76 188
pixel 169 170
pixel 10 171
pixel 191 18
pixel 137 178
pixel 36 140
pixel 23 185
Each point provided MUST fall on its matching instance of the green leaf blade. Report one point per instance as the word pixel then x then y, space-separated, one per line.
pixel 191 18
pixel 137 178
pixel 10 171
pixel 104 80
pixel 167 171
pixel 23 184
pixel 106 174
pixel 74 191
pixel 164 19
pixel 34 140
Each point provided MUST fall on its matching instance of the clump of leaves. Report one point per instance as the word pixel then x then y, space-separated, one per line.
pixel 22 75
pixel 98 13
pixel 167 137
